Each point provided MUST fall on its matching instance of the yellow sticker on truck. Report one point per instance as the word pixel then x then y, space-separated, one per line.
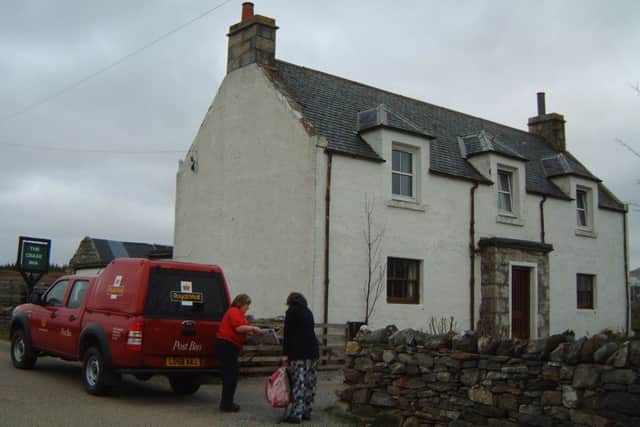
pixel 182 362
pixel 184 297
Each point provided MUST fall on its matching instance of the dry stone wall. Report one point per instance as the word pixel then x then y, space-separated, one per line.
pixel 411 379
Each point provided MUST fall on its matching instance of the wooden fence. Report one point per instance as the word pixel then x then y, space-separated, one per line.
pixel 257 358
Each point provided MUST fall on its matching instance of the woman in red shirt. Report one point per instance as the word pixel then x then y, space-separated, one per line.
pixel 234 328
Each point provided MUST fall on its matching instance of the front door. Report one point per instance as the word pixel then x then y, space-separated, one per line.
pixel 520 302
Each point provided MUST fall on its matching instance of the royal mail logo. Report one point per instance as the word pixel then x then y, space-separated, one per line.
pixel 186 286
pixel 184 297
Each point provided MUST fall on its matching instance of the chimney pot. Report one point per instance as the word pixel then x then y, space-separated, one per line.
pixel 247 10
pixel 542 108
pixel 252 40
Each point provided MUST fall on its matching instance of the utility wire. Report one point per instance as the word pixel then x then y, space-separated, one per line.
pixel 108 67
pixel 87 150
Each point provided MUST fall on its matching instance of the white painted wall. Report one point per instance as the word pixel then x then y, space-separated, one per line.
pixel 433 230
pixel 256 202
pixel 250 204
pixel 436 231
pixel 576 253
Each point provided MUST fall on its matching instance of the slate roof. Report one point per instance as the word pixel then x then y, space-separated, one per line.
pixel 97 253
pixel 482 142
pixel 331 105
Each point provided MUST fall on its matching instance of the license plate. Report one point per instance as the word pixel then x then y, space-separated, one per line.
pixel 183 362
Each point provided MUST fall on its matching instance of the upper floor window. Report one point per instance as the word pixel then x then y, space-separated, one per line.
pixel 403 173
pixel 403 281
pixel 582 207
pixel 505 191
pixel 585 290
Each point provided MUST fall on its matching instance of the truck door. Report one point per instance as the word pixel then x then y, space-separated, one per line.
pixel 43 332
pixel 66 322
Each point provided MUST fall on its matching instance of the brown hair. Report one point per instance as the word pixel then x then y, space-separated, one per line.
pixel 296 298
pixel 240 300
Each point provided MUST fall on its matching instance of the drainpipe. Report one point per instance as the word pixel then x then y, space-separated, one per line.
pixel 472 256
pixel 626 267
pixel 327 205
pixel 544 199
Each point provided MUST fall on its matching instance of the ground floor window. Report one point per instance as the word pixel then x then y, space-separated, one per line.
pixel 403 281
pixel 586 288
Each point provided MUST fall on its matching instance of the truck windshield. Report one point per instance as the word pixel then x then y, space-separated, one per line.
pixel 184 294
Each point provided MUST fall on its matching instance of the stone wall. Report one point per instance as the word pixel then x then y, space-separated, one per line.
pixel 412 379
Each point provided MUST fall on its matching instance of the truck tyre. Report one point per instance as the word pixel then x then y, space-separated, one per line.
pixel 95 374
pixel 22 354
pixel 184 384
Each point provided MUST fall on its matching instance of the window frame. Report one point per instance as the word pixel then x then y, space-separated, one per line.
pixel 590 298
pixel 63 284
pixel 74 301
pixel 585 209
pixel 413 174
pixel 403 282
pixel 510 193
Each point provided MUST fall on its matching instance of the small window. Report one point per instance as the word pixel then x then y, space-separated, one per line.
pixel 77 293
pixel 403 281
pixel 582 207
pixel 585 288
pixel 55 296
pixel 403 173
pixel 505 191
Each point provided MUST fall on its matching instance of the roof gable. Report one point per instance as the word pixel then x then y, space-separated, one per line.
pixel 97 253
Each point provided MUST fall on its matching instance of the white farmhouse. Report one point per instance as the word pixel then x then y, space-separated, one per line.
pixel 502 229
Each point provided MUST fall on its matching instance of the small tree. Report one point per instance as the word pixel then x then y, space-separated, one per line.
pixel 376 265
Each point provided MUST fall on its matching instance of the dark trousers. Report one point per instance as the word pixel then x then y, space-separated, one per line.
pixel 227 354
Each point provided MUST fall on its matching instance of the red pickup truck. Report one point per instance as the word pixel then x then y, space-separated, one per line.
pixel 137 317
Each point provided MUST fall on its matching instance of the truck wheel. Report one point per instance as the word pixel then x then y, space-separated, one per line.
pixel 184 384
pixel 22 355
pixel 95 375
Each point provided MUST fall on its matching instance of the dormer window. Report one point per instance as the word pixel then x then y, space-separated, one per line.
pixel 403 173
pixel 505 191
pixel 582 207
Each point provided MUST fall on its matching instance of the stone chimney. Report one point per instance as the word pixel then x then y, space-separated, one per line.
pixel 252 40
pixel 549 126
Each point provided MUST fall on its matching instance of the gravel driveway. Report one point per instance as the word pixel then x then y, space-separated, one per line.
pixel 52 395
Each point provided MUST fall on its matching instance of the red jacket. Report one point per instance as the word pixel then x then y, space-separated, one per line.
pixel 233 318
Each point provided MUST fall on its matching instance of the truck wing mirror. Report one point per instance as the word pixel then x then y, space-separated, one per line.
pixel 36 298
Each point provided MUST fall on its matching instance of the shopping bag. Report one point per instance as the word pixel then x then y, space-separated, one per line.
pixel 276 388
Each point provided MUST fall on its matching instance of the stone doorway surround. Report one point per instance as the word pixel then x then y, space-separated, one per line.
pixel 497 257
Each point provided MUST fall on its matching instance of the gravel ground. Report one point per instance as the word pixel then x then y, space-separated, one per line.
pixel 52 395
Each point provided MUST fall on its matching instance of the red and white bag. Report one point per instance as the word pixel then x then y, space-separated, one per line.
pixel 276 388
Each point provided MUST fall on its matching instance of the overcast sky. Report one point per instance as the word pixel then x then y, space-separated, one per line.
pixel 100 159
